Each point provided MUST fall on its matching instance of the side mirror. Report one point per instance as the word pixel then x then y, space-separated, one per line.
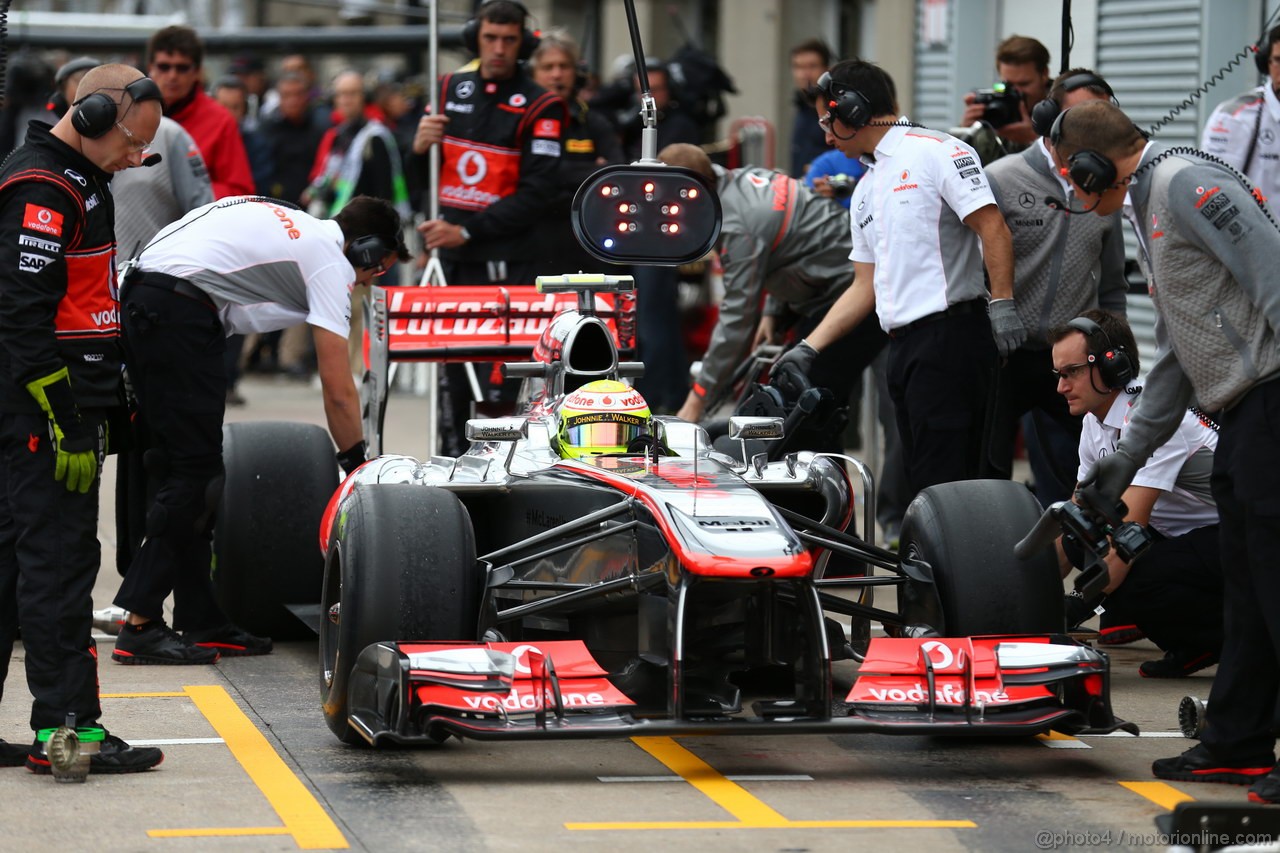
pixel 646 214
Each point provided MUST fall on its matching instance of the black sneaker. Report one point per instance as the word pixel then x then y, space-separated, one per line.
pixel 1267 789
pixel 229 640
pixel 157 643
pixel 1177 664
pixel 1199 765
pixel 1079 609
pixel 12 754
pixel 114 756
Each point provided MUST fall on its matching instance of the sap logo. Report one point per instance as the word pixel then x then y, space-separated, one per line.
pixel 36 243
pixel 28 262
pixel 110 317
pixel 455 107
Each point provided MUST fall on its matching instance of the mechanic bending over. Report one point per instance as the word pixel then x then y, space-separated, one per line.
pixel 1066 265
pixel 918 218
pixel 239 265
pixel 1173 591
pixel 60 359
pixel 1208 247
pixel 781 242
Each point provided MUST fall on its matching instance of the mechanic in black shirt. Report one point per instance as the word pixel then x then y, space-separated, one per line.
pixel 589 144
pixel 60 363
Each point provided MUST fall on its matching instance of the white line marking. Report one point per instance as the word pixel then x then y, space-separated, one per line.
pixel 1065 744
pixel 763 777
pixel 1144 734
pixel 175 741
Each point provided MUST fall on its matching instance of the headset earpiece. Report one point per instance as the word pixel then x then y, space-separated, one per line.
pixel 1115 368
pixel 1092 172
pixel 528 38
pixel 369 251
pixel 96 113
pixel 1043 116
pixel 1046 112
pixel 1262 57
pixel 849 105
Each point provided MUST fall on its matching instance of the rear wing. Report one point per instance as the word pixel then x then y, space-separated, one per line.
pixel 466 323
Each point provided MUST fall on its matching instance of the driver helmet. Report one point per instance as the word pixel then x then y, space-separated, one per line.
pixel 603 416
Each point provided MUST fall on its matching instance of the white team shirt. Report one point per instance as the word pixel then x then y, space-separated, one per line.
pixel 1178 510
pixel 265 266
pixel 906 217
pixel 1231 128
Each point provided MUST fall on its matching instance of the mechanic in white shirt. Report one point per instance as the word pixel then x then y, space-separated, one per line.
pixel 241 264
pixel 1173 592
pixel 924 223
pixel 1245 131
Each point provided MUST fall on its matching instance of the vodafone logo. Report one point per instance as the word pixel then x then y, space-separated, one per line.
pixel 943 659
pixel 521 654
pixel 472 168
pixel 42 219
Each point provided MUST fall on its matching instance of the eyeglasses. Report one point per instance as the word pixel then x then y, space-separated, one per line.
pixel 1071 372
pixel 166 67
pixel 825 122
pixel 135 144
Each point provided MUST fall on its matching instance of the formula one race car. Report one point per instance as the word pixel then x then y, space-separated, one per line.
pixel 586 570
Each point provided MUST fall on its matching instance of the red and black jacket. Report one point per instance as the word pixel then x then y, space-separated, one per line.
pixel 499 161
pixel 58 299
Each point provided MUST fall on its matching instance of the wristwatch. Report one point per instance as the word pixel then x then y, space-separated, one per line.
pixel 466 235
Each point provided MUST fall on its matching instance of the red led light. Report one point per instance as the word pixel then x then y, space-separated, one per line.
pixel 648 186
pixel 693 193
pixel 624 207
pixel 673 229
pixel 675 209
pixel 606 192
pixel 622 226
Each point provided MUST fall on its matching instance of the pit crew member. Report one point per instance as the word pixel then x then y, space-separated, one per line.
pixel 1066 265
pixel 60 356
pixel 782 246
pixel 1208 247
pixel 1173 591
pixel 919 217
pixel 1245 131
pixel 235 266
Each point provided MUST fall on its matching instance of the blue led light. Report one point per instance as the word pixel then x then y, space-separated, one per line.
pixel 608 242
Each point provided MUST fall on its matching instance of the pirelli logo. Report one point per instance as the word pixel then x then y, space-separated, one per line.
pixel 38 243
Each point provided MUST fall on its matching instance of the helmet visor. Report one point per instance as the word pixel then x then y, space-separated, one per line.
pixel 609 429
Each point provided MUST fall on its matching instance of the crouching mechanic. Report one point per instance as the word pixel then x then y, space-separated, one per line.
pixel 1173 592
pixel 1209 249
pixel 243 264
pixel 780 242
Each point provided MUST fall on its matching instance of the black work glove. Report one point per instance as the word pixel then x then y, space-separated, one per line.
pixel 1006 328
pixel 800 357
pixel 1102 486
pixel 352 458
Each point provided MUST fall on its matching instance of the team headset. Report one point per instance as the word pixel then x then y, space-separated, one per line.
pixel 471 32
pixel 96 114
pixel 1045 113
pixel 57 101
pixel 367 252
pixel 1115 368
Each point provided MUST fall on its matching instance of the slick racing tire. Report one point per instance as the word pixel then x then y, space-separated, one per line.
pixel 279 477
pixel 965 532
pixel 402 567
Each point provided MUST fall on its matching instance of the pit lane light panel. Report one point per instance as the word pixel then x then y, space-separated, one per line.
pixel 646 214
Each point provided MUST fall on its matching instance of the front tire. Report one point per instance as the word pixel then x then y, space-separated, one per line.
pixel 402 567
pixel 966 531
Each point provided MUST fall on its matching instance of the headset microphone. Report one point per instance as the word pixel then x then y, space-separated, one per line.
pixel 152 160
pixel 1059 204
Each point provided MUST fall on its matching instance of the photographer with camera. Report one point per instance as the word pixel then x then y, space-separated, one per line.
pixel 1172 591
pixel 834 175
pixel 1208 246
pixel 1000 117
pixel 781 242
pixel 1066 265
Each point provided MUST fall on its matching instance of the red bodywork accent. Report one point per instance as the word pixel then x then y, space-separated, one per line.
pixel 696 562
pixel 894 673
pixel 582 681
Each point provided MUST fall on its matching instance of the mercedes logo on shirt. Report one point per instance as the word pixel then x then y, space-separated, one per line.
pixel 1027 200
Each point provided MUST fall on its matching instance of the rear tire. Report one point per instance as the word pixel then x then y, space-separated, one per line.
pixel 966 532
pixel 279 477
pixel 402 567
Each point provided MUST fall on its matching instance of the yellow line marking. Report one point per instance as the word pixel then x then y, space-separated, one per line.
pixel 169 695
pixel 303 817
pixel 750 812
pixel 218 833
pixel 1053 735
pixel 1165 796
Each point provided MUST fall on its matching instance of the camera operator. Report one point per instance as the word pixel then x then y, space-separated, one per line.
pixel 1209 249
pixel 1004 112
pixel 1173 591
pixel 1066 265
